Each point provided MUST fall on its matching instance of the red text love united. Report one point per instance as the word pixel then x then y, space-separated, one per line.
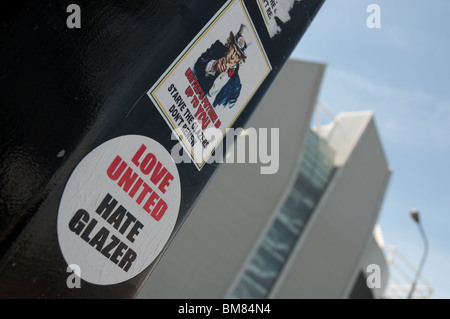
pixel 139 189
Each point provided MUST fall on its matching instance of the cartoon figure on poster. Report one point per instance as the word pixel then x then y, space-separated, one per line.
pixel 217 69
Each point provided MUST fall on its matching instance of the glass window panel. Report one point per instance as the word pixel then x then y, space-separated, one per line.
pixel 315 171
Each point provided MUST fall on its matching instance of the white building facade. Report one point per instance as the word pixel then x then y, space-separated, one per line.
pixel 304 232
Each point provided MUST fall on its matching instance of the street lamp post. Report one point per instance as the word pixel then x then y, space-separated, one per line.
pixel 415 216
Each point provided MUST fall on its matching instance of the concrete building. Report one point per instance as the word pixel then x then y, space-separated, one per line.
pixel 304 232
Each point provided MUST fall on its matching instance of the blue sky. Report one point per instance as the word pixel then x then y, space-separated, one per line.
pixel 401 71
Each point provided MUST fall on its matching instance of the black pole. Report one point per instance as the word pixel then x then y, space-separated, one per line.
pixel 66 90
pixel 422 261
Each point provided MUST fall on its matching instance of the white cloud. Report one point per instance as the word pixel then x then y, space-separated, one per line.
pixel 405 117
pixel 399 37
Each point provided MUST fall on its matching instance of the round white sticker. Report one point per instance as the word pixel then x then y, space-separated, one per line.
pixel 119 209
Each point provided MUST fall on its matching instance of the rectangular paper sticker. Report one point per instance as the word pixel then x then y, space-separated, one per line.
pixel 207 87
pixel 275 8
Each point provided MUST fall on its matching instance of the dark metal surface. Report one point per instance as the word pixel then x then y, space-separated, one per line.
pixel 66 91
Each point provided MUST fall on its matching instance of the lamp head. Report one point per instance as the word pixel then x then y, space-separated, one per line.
pixel 415 214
